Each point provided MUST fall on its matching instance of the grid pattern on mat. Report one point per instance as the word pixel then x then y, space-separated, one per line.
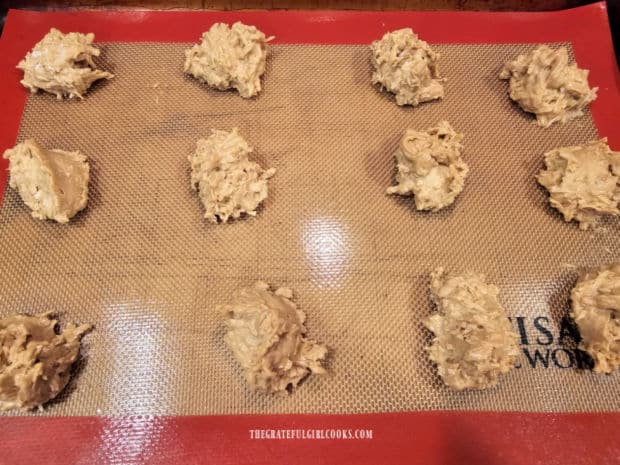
pixel 142 265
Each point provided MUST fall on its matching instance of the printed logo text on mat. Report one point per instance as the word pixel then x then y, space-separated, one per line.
pixel 549 344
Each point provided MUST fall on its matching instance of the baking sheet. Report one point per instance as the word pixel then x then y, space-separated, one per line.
pixel 147 271
pixel 416 437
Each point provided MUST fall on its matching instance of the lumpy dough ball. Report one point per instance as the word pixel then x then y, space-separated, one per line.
pixel 407 67
pixel 596 310
pixel 430 166
pixel 583 181
pixel 35 360
pixel 542 82
pixel 473 341
pixel 52 183
pixel 266 333
pixel 62 64
pixel 228 183
pixel 229 58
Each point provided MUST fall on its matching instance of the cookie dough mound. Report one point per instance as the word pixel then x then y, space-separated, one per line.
pixel 229 58
pixel 35 361
pixel 228 183
pixel 596 310
pixel 430 166
pixel 542 82
pixel 473 341
pixel 62 64
pixel 266 333
pixel 407 67
pixel 53 183
pixel 583 181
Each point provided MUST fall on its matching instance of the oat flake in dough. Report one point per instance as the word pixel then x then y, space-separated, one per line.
pixel 53 183
pixel 266 333
pixel 542 82
pixel 35 361
pixel 473 341
pixel 228 183
pixel 62 64
pixel 583 181
pixel 430 166
pixel 407 67
pixel 596 310
pixel 229 58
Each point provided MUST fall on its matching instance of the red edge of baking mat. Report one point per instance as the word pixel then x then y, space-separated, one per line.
pixel 408 438
pixel 413 438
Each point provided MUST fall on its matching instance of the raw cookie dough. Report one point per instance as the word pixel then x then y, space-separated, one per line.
pixel 228 183
pixel 266 332
pixel 53 183
pixel 229 58
pixel 542 82
pixel 407 67
pixel 473 341
pixel 62 64
pixel 35 361
pixel 430 166
pixel 583 181
pixel 596 310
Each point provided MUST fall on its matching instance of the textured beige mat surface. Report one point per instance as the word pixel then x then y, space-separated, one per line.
pixel 142 265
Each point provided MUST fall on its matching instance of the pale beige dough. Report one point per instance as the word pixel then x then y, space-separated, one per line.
pixel 266 333
pixel 35 361
pixel 542 82
pixel 228 183
pixel 53 183
pixel 596 310
pixel 473 341
pixel 430 166
pixel 407 67
pixel 62 64
pixel 229 58
pixel 583 181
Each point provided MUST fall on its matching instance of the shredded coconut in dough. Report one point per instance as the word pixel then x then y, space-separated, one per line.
pixel 62 64
pixel 229 58
pixel 229 184
pixel 596 310
pixel 583 181
pixel 53 183
pixel 542 82
pixel 35 361
pixel 474 343
pixel 430 166
pixel 407 67
pixel 266 333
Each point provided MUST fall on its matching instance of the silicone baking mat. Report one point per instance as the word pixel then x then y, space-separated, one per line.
pixel 144 267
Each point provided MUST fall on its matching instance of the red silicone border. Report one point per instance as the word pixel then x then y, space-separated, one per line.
pixel 411 438
pixel 414 438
